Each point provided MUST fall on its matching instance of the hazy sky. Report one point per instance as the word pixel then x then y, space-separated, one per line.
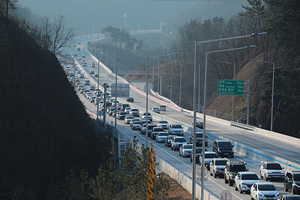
pixel 89 16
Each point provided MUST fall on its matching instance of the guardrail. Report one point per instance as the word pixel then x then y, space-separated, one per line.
pixel 243 126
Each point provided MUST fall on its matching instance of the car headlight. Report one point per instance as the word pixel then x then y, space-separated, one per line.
pixel 269 172
pixel 261 194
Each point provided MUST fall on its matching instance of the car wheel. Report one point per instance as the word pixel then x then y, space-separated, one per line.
pixel 261 176
pixel 215 175
pixel 265 178
pixel 241 191
pixel 252 198
pixel 292 190
pixel 230 182
pixel 179 153
pixel 236 189
pixel 191 159
pixel 285 187
pixel 226 181
pixel 211 174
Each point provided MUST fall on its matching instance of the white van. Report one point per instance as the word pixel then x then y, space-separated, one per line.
pixel 163 108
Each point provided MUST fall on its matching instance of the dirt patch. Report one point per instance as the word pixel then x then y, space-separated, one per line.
pixel 176 191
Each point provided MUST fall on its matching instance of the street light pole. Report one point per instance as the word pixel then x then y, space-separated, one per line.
pixel 204 110
pixel 273 85
pixel 180 85
pixel 97 103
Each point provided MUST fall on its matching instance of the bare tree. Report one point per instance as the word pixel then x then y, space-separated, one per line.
pixel 61 35
pixel 5 5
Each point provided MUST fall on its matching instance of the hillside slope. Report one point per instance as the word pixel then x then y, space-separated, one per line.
pixel 44 129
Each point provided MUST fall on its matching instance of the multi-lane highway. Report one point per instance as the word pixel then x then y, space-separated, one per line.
pixel 260 146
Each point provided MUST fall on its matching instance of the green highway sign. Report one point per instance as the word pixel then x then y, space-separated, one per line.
pixel 231 87
pixel 89 43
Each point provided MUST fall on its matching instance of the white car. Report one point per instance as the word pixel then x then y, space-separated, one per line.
pixel 163 124
pixel 127 110
pixel 163 108
pixel 136 125
pixel 161 137
pixel 176 142
pixel 270 170
pixel 128 119
pixel 244 181
pixel 208 156
pixel 217 167
pixel 134 120
pixel 264 191
pixel 135 112
pixel 185 150
pixel 175 129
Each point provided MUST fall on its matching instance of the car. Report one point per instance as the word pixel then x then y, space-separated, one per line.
pixel 155 131
pixel 155 109
pixel 93 65
pixel 130 99
pixel 270 170
pixel 168 140
pixel 289 197
pixel 232 168
pixel 161 137
pixel 135 112
pixel 244 181
pixel 136 125
pixel 150 128
pixel 176 142
pixel 292 182
pixel 217 167
pixel 199 137
pixel 263 191
pixel 134 120
pixel 92 72
pixel 143 128
pixel 224 148
pixel 81 76
pixel 128 118
pixel 121 115
pixel 198 153
pixel 127 110
pixel 149 116
pixel 208 156
pixel 163 108
pixel 199 125
pixel 175 129
pixel 124 106
pixel 185 150
pixel 96 75
pixel 163 124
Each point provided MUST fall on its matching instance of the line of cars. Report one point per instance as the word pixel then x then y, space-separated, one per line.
pixel 216 161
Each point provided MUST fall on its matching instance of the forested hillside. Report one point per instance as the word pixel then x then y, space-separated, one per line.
pixel 44 129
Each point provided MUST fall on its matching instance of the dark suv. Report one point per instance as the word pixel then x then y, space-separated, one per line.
pixel 224 148
pixel 231 170
pixel 292 182
pixel 199 136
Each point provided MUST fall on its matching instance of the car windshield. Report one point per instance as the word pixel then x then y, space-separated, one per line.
pixel 266 187
pixel 238 168
pixel 221 162
pixel 211 155
pixel 273 166
pixel 163 134
pixel 163 122
pixel 199 135
pixel 250 177
pixel 158 129
pixel 296 177
pixel 180 140
pixel 188 146
pixel 134 110
pixel 129 117
pixel 225 144
pixel 137 122
pixel 176 126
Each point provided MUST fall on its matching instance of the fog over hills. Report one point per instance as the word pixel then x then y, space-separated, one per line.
pixel 90 16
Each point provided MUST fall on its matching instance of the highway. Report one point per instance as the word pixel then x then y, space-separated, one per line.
pixel 262 147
